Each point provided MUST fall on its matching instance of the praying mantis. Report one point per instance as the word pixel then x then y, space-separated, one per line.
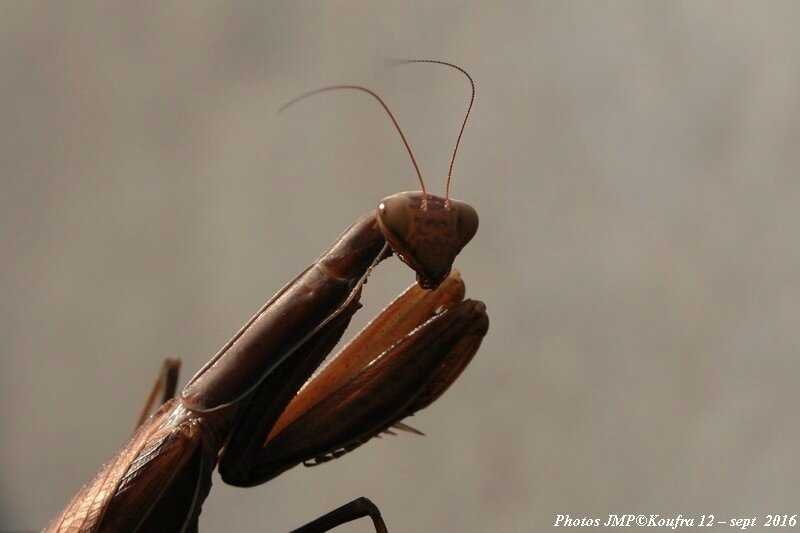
pixel 260 406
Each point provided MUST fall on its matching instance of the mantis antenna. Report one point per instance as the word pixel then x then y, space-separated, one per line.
pixel 385 107
pixel 396 62
pixel 390 64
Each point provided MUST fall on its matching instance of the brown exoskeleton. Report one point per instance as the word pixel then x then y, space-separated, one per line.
pixel 252 409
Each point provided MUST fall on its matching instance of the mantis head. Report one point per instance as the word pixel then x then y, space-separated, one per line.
pixel 427 232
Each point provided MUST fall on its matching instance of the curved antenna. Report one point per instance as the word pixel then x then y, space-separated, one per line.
pixel 385 107
pixel 396 62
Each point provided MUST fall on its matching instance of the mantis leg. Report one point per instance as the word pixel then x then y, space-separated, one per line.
pixel 358 508
pixel 400 363
pixel 166 384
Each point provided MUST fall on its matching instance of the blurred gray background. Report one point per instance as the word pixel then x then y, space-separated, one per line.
pixel 635 166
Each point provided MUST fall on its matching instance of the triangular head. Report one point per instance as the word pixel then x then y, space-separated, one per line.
pixel 427 232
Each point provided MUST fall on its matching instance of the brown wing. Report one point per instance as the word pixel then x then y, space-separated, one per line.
pixel 87 508
pixel 157 481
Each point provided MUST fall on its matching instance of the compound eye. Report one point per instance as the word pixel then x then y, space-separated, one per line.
pixel 467 223
pixel 394 214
